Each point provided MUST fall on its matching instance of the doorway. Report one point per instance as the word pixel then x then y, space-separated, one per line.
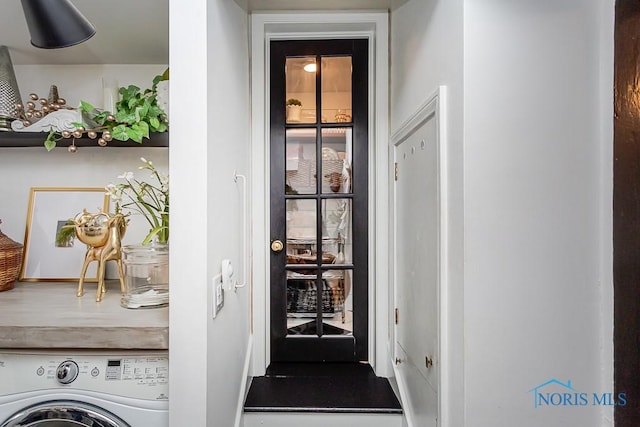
pixel 319 200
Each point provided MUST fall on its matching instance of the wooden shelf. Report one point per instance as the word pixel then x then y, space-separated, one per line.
pixel 36 139
pixel 49 315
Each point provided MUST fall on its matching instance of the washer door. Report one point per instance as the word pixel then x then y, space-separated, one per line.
pixel 64 413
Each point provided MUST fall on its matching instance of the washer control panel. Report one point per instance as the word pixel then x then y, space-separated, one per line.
pixel 142 375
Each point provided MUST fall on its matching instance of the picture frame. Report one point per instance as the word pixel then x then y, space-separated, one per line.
pixel 45 259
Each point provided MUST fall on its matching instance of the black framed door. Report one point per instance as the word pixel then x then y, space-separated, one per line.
pixel 319 186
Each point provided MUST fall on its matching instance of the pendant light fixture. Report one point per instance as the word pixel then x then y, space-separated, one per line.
pixel 56 23
pixel 311 67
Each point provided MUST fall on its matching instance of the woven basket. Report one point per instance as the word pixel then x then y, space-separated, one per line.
pixel 10 262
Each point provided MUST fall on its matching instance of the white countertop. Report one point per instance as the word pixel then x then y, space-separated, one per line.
pixel 49 315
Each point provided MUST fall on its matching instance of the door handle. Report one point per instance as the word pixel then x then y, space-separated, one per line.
pixel 277 246
pixel 428 361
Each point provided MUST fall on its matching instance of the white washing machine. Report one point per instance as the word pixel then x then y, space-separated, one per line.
pixel 59 389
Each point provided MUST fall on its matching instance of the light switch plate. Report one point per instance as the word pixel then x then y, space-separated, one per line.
pixel 217 295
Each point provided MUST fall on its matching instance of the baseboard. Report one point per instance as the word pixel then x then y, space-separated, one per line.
pixel 403 397
pixel 245 381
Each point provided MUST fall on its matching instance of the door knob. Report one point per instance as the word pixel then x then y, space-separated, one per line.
pixel 277 246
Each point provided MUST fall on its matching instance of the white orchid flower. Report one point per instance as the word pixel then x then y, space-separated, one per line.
pixel 149 200
pixel 114 192
pixel 164 182
pixel 127 175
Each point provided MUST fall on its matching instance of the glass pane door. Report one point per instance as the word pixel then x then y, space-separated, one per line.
pixel 318 197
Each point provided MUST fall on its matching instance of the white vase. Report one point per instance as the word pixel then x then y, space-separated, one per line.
pixel 293 113
pixel 110 94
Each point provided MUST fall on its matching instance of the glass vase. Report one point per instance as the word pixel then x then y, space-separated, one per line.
pixel 146 276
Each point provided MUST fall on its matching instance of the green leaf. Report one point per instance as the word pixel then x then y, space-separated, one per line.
pixel 49 144
pixel 144 108
pixel 153 233
pixel 142 128
pixel 120 133
pixel 134 134
pixel 125 117
pixel 102 117
pixel 129 92
pixel 139 113
pixel 162 127
pixel 86 107
pixel 155 111
pixel 154 122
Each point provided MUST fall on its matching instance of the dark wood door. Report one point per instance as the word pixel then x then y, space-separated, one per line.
pixel 319 186
pixel 626 215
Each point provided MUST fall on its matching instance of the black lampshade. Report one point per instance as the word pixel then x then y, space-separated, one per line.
pixel 56 23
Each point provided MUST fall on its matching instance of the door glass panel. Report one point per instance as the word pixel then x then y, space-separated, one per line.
pixel 337 317
pixel 337 241
pixel 301 231
pixel 335 299
pixel 301 89
pixel 337 154
pixel 300 162
pixel 302 297
pixel 336 89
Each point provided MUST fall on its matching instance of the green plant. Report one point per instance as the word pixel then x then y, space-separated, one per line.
pixel 150 200
pixel 294 101
pixel 137 114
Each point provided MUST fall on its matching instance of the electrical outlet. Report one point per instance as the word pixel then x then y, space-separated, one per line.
pixel 217 295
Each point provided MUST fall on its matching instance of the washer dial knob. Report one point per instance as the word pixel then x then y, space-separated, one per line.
pixel 67 372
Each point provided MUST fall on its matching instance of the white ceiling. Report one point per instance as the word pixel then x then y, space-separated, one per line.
pixel 134 31
pixel 127 32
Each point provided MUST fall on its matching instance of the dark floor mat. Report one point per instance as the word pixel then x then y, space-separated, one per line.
pixel 321 387
pixel 311 328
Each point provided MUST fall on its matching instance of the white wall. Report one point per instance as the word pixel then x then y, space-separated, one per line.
pixel 209 72
pixel 189 261
pixel 426 52
pixel 228 337
pixel 537 208
pixel 536 161
pixel 23 168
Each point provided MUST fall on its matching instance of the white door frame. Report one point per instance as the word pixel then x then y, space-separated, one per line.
pixel 314 25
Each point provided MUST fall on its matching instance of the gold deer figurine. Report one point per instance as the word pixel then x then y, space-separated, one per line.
pixel 102 233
